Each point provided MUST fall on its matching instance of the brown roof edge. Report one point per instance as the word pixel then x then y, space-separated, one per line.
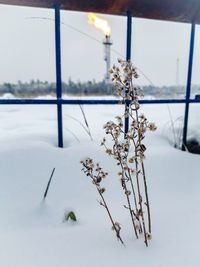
pixel 170 10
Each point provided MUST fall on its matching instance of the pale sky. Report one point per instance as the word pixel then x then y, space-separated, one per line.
pixel 27 48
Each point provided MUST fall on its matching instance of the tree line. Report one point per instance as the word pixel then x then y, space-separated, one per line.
pixel 36 88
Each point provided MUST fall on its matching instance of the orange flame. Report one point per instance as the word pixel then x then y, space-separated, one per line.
pixel 99 23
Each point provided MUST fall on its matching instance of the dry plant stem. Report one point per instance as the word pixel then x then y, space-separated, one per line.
pixel 131 182
pixel 136 144
pixel 86 122
pixel 131 214
pixel 49 182
pixel 137 179
pixel 135 202
pixel 139 195
pixel 133 190
pixel 89 172
pixel 147 198
pixel 82 125
pixel 110 216
pixel 127 196
pixel 72 134
pixel 140 202
pixel 125 187
pixel 132 177
pixel 172 125
pixel 134 195
pixel 144 180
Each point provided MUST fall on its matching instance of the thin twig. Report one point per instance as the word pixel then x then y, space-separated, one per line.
pixel 49 182
pixel 88 169
pixel 123 183
pixel 86 122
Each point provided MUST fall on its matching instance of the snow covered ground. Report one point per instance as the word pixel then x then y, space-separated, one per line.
pixel 32 232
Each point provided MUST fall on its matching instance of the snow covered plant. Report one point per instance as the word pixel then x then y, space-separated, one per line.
pixel 128 150
pixel 95 172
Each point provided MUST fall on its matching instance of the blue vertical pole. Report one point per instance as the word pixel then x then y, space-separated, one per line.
pixel 188 88
pixel 128 57
pixel 58 75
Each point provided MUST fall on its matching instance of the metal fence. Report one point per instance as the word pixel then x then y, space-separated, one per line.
pixel 59 101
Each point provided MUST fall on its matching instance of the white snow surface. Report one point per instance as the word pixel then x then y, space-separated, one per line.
pixel 32 231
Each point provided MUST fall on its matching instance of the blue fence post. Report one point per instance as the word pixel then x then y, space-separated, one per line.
pixel 188 88
pixel 128 57
pixel 58 75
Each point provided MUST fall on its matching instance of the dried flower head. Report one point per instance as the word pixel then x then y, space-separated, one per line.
pixel 102 190
pixel 128 150
pixel 152 126
pixel 149 236
pixel 131 160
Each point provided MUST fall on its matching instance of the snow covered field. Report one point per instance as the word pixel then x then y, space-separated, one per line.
pixel 32 232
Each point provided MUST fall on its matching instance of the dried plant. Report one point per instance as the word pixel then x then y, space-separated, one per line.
pixel 48 184
pixel 84 125
pixel 86 122
pixel 128 149
pixel 95 172
pixel 176 127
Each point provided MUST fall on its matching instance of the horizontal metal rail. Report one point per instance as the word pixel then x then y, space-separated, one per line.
pixel 90 102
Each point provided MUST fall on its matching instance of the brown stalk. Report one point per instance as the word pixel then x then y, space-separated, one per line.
pixel 137 174
pixel 125 188
pixel 147 198
pixel 140 202
pixel 135 201
pixel 103 203
pixel 145 182
pixel 110 216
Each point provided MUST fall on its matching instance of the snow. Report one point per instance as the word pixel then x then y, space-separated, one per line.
pixel 32 231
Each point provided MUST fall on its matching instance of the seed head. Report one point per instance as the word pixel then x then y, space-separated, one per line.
pixel 152 127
